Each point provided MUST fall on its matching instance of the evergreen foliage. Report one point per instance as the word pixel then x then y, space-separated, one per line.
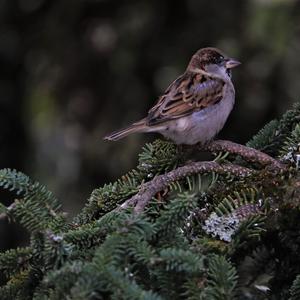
pixel 295 289
pixel 204 237
pixel 222 279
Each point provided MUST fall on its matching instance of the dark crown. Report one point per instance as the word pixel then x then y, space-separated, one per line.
pixel 206 56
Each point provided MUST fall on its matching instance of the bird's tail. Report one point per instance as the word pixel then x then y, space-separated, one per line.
pixel 135 127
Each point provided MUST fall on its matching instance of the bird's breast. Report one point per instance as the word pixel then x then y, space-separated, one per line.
pixel 204 125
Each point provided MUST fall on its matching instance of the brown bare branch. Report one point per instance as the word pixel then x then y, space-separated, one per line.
pixel 247 153
pixel 149 189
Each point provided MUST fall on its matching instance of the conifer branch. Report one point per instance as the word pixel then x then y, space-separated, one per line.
pixel 149 189
pixel 228 245
pixel 247 153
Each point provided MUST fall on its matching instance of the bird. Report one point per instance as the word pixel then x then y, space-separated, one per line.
pixel 195 107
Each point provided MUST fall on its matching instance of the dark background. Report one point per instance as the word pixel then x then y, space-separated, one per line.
pixel 73 70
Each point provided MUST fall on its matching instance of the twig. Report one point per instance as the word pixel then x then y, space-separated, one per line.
pixel 160 182
pixel 4 215
pixel 249 154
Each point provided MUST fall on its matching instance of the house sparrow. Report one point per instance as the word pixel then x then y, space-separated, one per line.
pixel 195 107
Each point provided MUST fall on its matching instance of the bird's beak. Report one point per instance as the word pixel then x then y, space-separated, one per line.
pixel 231 63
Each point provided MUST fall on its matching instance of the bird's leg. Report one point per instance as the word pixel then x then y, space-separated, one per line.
pixel 184 152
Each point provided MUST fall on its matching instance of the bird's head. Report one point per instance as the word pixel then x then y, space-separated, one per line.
pixel 212 60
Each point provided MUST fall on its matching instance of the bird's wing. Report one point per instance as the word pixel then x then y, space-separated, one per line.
pixel 189 93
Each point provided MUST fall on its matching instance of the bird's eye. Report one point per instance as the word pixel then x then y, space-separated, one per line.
pixel 220 59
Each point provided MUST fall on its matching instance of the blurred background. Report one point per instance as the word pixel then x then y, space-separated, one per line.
pixel 71 71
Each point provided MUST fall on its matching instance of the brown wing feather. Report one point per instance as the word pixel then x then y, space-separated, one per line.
pixel 188 93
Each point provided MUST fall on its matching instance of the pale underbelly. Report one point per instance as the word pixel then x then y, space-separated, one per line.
pixel 200 126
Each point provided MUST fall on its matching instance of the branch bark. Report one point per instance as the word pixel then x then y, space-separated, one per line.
pixel 160 182
pixel 247 153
